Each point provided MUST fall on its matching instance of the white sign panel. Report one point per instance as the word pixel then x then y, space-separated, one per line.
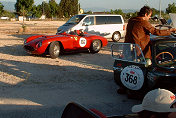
pixel 82 42
pixel 132 77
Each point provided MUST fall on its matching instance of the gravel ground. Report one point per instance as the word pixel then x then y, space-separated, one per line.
pixel 40 87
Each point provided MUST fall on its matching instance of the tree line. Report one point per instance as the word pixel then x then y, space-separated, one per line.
pixel 66 8
pixel 51 9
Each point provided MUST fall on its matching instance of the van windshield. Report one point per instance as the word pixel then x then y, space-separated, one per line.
pixel 75 19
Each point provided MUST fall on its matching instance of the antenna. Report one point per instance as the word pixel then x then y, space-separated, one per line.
pixel 160 7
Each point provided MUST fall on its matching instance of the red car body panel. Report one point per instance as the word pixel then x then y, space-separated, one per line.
pixel 38 44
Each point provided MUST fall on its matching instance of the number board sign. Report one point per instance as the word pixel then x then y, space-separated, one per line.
pixel 132 77
pixel 82 42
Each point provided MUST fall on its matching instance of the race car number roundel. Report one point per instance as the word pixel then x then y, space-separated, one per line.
pixel 132 77
pixel 82 42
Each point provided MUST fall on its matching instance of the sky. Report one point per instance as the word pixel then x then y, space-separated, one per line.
pixel 117 4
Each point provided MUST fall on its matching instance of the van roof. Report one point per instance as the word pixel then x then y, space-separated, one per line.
pixel 100 14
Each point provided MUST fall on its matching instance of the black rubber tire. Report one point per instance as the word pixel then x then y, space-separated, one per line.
pixel 116 36
pixel 117 79
pixel 95 46
pixel 54 49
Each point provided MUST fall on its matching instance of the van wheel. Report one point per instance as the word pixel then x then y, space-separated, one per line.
pixel 54 49
pixel 95 46
pixel 116 36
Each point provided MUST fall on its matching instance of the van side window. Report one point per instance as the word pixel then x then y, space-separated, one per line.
pixel 114 20
pixel 88 21
pixel 100 20
pixel 108 20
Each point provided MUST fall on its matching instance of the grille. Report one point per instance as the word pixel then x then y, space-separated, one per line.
pixel 28 48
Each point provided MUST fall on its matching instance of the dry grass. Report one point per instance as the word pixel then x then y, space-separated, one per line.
pixel 31 27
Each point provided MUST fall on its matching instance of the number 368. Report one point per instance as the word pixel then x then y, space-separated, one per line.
pixel 131 79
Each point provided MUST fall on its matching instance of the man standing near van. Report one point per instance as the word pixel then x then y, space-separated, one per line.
pixel 138 32
pixel 139 29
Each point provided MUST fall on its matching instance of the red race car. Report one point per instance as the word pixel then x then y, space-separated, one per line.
pixel 55 44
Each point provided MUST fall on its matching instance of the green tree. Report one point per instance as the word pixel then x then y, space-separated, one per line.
pixel 47 9
pixel 59 12
pixel 53 7
pixel 75 7
pixel 88 12
pixel 69 7
pixel 119 11
pixel 37 11
pixel 171 8
pixel 8 14
pixel 128 15
pixel 155 12
pixel 24 6
pixel 1 8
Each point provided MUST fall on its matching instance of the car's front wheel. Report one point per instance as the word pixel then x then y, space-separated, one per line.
pixel 54 49
pixel 95 46
pixel 116 36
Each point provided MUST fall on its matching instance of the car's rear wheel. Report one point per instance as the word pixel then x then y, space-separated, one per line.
pixel 95 46
pixel 116 36
pixel 117 78
pixel 54 49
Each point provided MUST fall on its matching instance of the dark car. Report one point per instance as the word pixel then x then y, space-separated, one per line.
pixel 132 73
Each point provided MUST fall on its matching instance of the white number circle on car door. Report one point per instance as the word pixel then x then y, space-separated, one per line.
pixel 82 42
pixel 132 77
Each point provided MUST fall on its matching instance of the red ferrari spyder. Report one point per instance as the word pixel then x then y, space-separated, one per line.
pixel 55 44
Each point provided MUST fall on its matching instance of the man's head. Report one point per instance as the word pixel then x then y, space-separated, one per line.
pixel 157 101
pixel 145 12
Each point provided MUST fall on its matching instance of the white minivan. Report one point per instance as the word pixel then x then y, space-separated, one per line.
pixel 108 26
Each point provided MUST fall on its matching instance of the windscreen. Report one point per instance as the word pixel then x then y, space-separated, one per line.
pixel 127 52
pixel 173 18
pixel 75 19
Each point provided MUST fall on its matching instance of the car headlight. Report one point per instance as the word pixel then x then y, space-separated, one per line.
pixel 39 44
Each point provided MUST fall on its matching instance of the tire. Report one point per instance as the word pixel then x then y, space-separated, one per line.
pixel 95 46
pixel 117 79
pixel 54 49
pixel 116 36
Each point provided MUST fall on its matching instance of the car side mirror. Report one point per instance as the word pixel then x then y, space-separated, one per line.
pixel 74 110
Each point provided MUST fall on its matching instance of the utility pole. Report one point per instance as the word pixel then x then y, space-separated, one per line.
pixel 160 7
pixel 43 6
pixel 78 6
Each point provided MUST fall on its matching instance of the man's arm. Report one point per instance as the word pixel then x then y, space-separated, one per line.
pixel 158 32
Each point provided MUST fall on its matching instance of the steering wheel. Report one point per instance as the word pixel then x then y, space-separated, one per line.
pixel 157 56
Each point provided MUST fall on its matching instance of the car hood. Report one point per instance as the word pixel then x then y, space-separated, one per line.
pixel 42 38
pixel 173 18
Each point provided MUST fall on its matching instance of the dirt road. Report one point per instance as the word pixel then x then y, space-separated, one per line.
pixel 40 87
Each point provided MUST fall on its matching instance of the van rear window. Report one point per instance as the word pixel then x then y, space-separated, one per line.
pixel 108 20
